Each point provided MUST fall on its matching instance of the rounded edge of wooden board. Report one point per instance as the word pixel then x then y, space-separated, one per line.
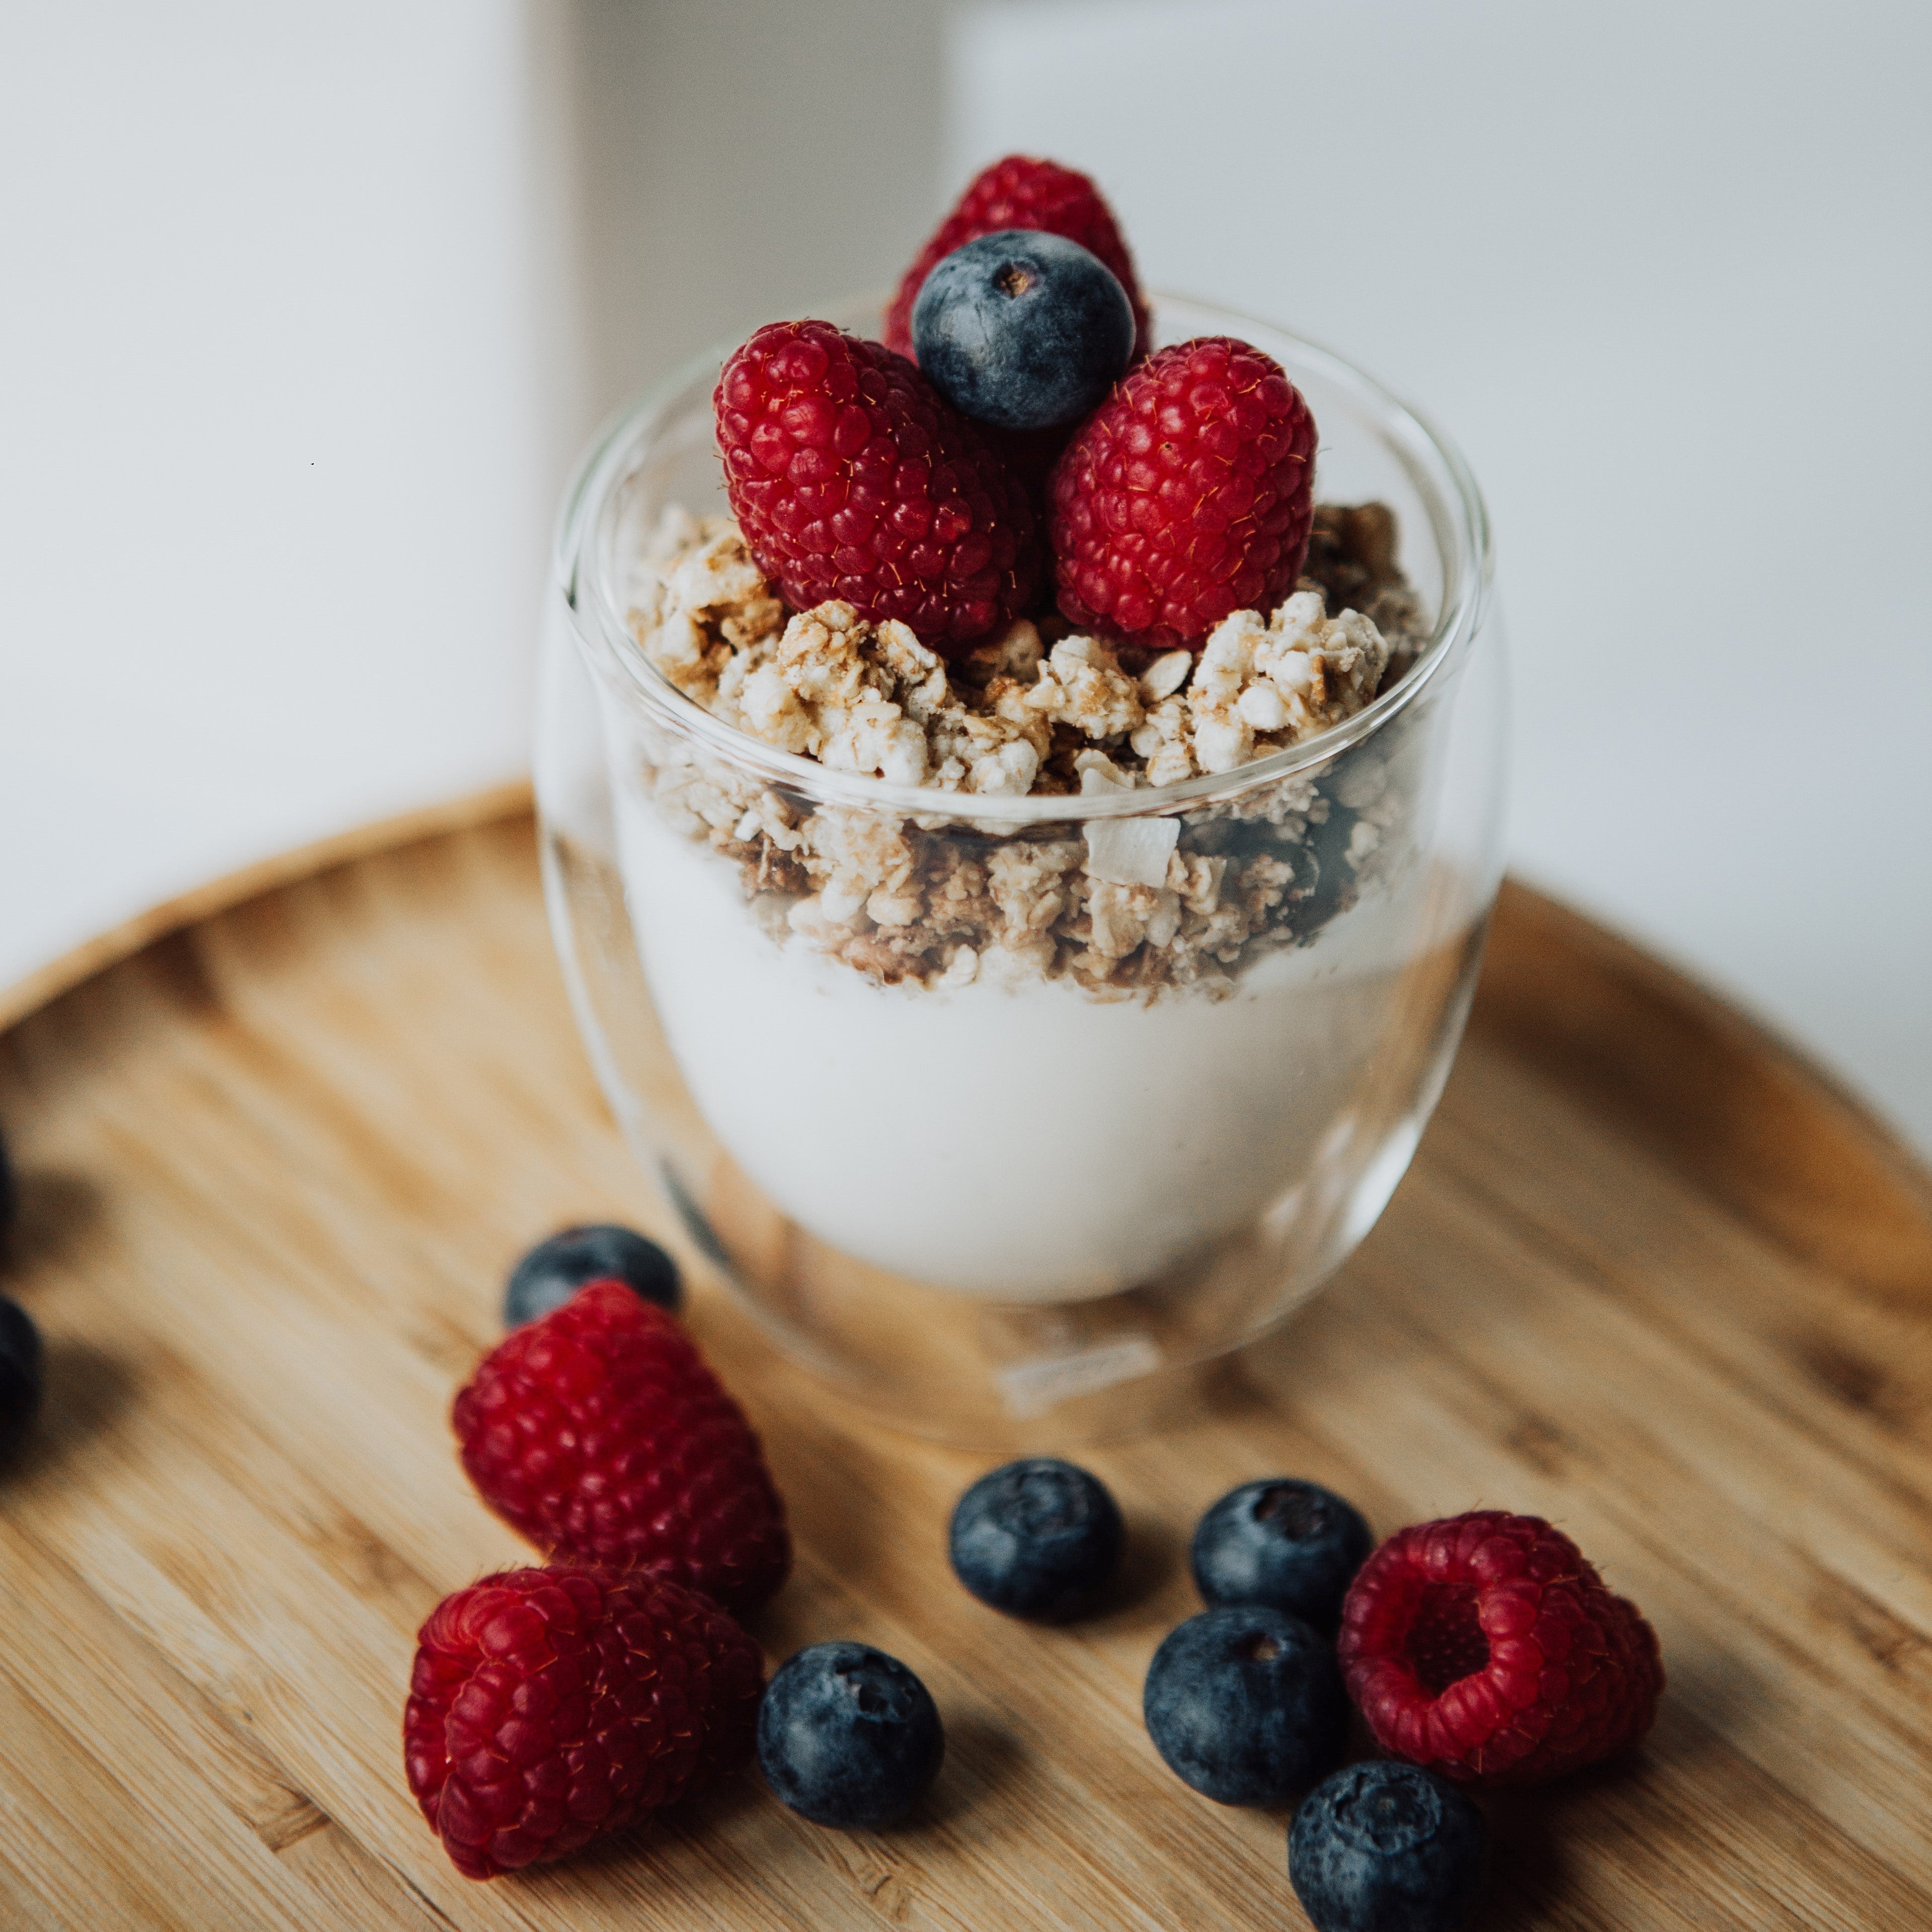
pixel 42 987
pixel 1710 1090
pixel 1658 1058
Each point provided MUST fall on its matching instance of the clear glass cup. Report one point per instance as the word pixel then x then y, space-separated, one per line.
pixel 998 1207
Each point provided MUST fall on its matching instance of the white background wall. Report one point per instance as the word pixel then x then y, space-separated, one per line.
pixel 307 308
pixel 1664 269
pixel 286 381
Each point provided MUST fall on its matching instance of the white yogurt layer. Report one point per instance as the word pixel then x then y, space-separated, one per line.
pixel 1027 1143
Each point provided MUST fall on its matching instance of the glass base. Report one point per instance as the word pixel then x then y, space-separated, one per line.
pixel 970 1370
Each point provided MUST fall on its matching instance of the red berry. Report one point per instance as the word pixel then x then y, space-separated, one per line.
pixel 601 1432
pixel 1188 493
pixel 1022 192
pixel 852 478
pixel 547 1707
pixel 1486 1647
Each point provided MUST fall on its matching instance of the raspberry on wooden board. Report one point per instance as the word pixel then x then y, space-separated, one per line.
pixel 1020 192
pixel 601 1433
pixel 852 479
pixel 1187 495
pixel 548 1707
pixel 1486 1647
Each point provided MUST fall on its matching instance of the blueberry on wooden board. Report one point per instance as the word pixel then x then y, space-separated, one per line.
pixel 848 1736
pixel 1038 1538
pixel 1283 1542
pixel 21 1376
pixel 1386 1847
pixel 554 1270
pixel 1247 1705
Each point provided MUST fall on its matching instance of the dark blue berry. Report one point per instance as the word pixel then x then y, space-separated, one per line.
pixel 849 1736
pixel 1038 1538
pixel 1022 330
pixel 553 1271
pixel 1291 1544
pixel 1386 1847
pixel 1246 1705
pixel 20 1376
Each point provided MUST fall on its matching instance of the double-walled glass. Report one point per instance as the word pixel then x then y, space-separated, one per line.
pixel 999 1204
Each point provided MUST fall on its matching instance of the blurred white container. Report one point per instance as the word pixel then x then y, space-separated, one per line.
pixel 307 311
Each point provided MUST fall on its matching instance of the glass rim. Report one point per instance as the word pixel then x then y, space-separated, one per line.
pixel 1430 460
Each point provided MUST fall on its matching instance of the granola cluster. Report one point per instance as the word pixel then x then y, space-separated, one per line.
pixel 1124 906
pixel 1024 712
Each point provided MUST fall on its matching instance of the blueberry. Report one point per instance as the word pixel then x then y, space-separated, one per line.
pixel 553 1271
pixel 1022 330
pixel 848 1736
pixel 1037 1538
pixel 1292 1544
pixel 20 1376
pixel 1246 1705
pixel 1386 1847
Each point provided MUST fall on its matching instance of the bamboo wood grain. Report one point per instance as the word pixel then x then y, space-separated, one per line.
pixel 1649 1275
pixel 96 955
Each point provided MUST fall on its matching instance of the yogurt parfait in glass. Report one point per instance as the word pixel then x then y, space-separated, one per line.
pixel 1018 1021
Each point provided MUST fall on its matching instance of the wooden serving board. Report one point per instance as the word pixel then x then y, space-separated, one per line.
pixel 1649 1275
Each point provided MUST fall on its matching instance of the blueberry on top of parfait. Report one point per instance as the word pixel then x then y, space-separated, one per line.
pixel 1023 330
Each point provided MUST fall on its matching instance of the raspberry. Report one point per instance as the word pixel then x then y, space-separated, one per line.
pixel 1188 493
pixel 601 1432
pixel 1022 192
pixel 852 478
pixel 1486 1647
pixel 547 1707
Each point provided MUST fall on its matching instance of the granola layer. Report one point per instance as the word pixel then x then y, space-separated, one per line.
pixel 1014 714
pixel 1121 906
